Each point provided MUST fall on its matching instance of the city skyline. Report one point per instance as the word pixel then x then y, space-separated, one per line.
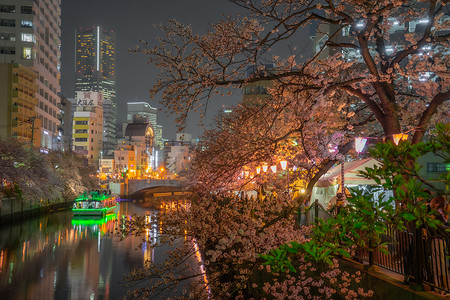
pixel 132 23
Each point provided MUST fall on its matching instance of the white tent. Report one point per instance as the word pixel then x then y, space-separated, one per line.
pixel 327 186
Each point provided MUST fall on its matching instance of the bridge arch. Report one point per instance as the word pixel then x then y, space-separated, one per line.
pixel 133 188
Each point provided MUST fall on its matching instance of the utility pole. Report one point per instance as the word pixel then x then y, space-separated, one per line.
pixel 32 130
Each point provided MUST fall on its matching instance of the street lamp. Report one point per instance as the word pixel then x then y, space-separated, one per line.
pixel 265 167
pixel 273 168
pixel 258 169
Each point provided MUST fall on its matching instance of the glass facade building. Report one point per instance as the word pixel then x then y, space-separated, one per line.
pixel 95 71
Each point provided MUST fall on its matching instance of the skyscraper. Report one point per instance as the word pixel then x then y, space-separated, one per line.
pixel 95 68
pixel 30 36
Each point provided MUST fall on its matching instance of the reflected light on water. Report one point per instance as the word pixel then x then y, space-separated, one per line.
pixel 59 257
pixel 1 261
pixel 202 266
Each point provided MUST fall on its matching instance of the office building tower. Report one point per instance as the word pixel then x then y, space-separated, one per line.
pixel 66 118
pixel 30 35
pixel 95 63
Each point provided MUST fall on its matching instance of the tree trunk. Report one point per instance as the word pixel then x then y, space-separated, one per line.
pixel 391 126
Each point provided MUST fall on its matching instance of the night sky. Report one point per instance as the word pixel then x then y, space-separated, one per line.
pixel 133 20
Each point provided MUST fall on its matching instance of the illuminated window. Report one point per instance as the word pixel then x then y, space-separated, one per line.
pixel 26 23
pixel 27 53
pixel 346 31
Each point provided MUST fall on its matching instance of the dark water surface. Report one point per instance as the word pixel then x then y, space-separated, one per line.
pixel 58 257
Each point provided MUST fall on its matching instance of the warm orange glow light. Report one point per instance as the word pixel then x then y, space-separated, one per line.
pixel 258 170
pixel 273 168
pixel 400 137
pixel 283 164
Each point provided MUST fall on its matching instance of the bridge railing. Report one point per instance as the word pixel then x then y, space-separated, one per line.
pixel 159 181
pixel 135 185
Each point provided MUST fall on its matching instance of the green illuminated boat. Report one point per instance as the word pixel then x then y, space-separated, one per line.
pixel 94 204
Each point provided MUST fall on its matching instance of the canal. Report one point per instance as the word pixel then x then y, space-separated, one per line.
pixel 59 257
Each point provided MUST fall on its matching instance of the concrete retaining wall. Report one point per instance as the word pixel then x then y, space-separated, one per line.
pixel 13 209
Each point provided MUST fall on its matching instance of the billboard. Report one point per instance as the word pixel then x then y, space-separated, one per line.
pixel 89 98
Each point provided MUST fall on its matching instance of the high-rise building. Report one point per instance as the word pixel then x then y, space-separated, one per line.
pixel 95 71
pixel 30 35
pixel 397 32
pixel 66 119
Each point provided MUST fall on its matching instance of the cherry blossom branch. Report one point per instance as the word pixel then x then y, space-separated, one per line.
pixel 438 100
pixel 412 49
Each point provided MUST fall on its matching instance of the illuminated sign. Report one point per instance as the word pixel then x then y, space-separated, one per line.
pixel 89 99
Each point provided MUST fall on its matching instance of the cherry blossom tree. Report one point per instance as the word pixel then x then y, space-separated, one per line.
pixel 382 78
pixel 396 75
pixel 219 240
pixel 368 76
pixel 266 133
pixel 74 174
pixel 23 172
pixel 32 176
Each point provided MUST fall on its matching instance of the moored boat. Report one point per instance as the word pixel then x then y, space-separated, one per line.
pixel 95 204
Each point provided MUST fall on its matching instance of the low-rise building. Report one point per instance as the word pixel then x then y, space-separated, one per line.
pixel 107 167
pixel 88 126
pixel 135 155
pixel 178 153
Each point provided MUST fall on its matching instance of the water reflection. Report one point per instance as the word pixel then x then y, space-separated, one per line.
pixel 58 257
